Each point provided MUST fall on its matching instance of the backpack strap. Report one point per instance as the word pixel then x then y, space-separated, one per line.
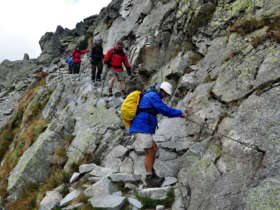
pixel 147 110
pixel 154 88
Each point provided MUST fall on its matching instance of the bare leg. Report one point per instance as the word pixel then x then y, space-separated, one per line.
pixel 122 83
pixel 152 180
pixel 111 82
pixel 150 158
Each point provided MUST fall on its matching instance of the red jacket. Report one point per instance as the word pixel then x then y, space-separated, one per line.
pixel 117 57
pixel 76 54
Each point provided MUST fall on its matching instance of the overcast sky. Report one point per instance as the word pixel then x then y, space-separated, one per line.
pixel 23 23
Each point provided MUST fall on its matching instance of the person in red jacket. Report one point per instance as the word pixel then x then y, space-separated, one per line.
pixel 76 59
pixel 114 59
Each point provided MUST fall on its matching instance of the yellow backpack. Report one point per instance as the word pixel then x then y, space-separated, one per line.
pixel 129 107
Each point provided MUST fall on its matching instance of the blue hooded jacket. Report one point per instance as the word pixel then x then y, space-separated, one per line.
pixel 69 61
pixel 150 105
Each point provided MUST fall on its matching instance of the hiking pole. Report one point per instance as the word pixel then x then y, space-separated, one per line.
pixel 103 83
pixel 104 79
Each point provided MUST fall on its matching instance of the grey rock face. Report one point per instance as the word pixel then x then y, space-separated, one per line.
pixel 32 165
pixel 264 196
pixel 113 159
pixel 108 202
pixel 159 207
pixel 52 199
pixel 7 104
pixel 201 177
pixel 155 193
pixel 169 181
pixel 51 47
pixel 166 168
pixel 242 78
pixel 126 166
pixel 175 125
pixel 223 73
pixel 121 177
pixel 87 168
pixel 101 171
pixel 100 188
pixel 166 155
pixel 135 203
pixel 75 206
pixel 68 198
pixel 74 177
pixel 15 71
pixel 80 28
pixel 139 167
pixel 26 57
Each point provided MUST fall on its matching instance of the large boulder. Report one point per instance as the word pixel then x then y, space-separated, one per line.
pixel 15 71
pixel 51 48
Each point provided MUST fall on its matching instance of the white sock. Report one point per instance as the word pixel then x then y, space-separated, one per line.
pixel 149 174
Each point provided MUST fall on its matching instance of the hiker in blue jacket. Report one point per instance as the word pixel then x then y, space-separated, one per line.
pixel 70 64
pixel 145 123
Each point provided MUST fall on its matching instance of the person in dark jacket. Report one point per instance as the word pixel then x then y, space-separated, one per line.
pixel 145 123
pixel 96 60
pixel 114 59
pixel 76 59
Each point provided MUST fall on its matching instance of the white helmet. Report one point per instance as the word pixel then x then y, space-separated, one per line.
pixel 167 87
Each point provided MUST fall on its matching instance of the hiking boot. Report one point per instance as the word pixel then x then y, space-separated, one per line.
pixel 153 181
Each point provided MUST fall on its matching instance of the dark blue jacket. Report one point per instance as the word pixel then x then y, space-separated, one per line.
pixel 150 105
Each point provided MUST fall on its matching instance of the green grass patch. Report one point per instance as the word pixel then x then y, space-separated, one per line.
pixel 150 203
pixel 74 167
pixel 89 157
pixel 88 206
pixel 34 193
pixel 164 1
pixel 208 79
pixel 195 58
pixel 9 131
pixel 82 198
pixel 27 201
pixel 245 26
pixel 67 140
pixel 120 187
pixel 126 206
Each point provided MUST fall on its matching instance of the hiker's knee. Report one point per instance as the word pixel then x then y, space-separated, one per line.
pixel 155 147
pixel 149 151
pixel 111 81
